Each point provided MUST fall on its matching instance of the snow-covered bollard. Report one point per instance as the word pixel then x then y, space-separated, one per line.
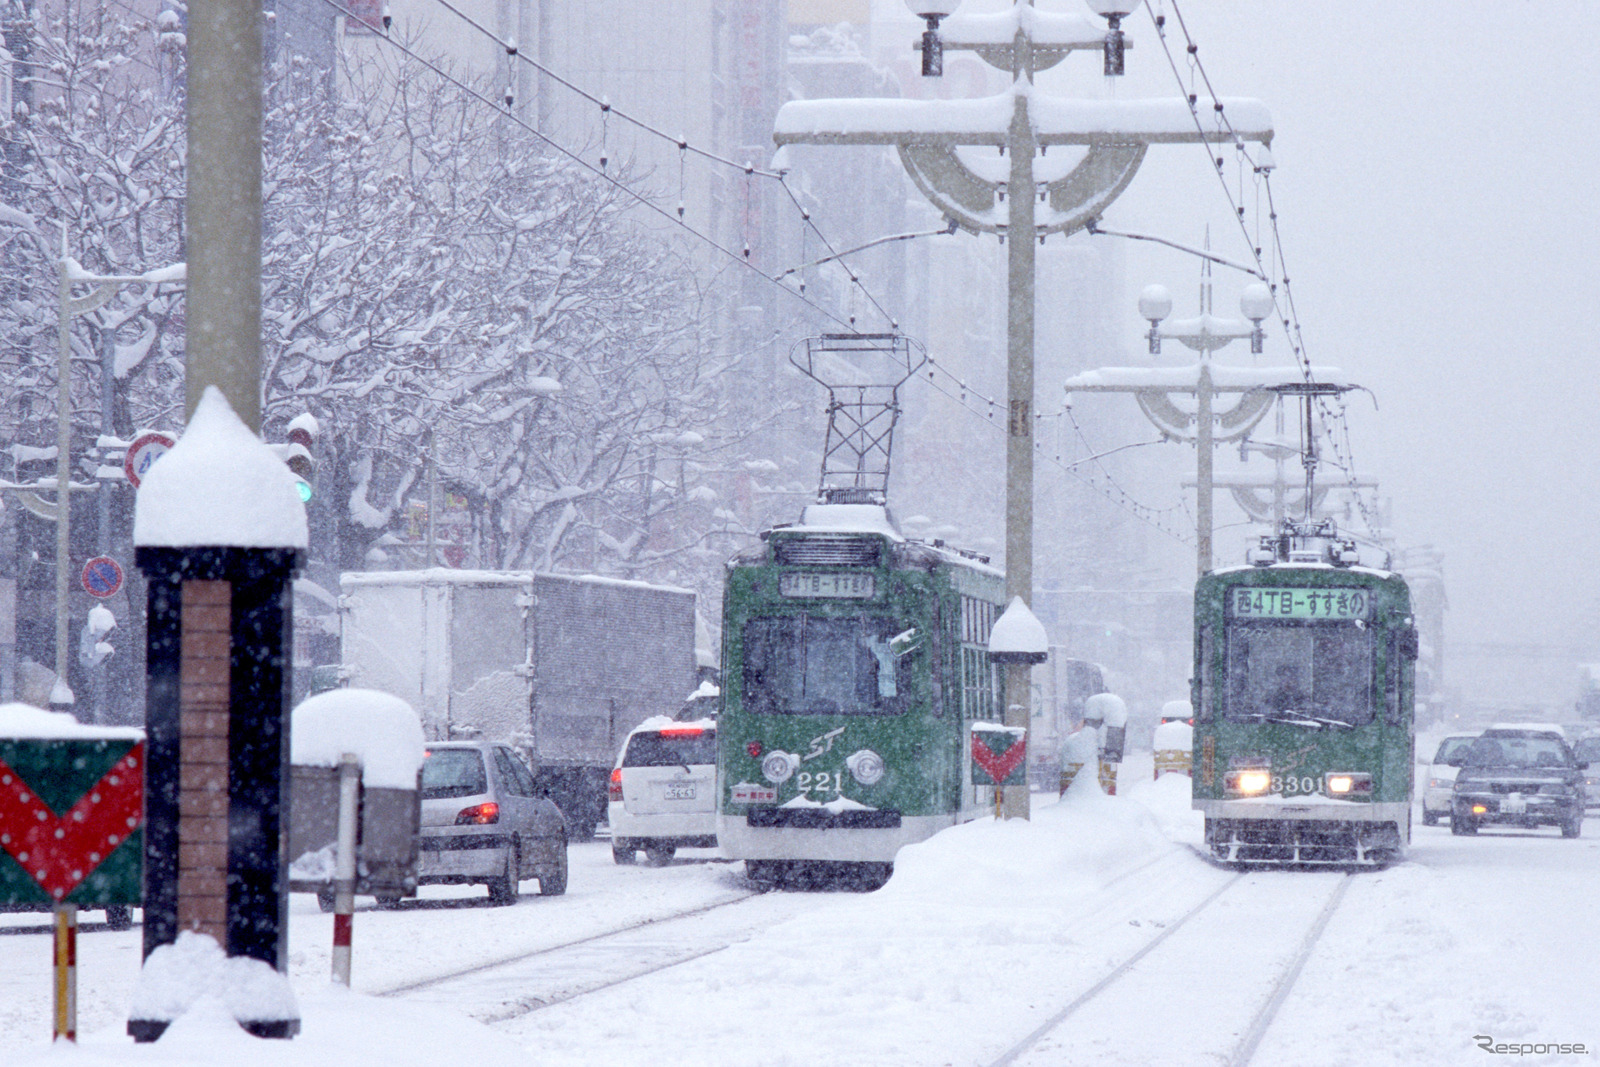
pixel 1109 714
pixel 1174 745
pixel 1080 747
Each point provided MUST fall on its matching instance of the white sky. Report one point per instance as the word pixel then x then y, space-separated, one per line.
pixel 1435 186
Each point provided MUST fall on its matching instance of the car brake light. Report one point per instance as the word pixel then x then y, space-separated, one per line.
pixel 614 789
pixel 682 731
pixel 479 814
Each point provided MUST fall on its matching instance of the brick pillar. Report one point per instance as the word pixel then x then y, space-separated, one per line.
pixel 216 771
pixel 205 645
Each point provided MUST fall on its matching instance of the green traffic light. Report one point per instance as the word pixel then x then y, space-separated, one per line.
pixel 305 490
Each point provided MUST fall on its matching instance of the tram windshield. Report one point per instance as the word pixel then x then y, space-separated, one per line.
pixel 801 664
pixel 1317 676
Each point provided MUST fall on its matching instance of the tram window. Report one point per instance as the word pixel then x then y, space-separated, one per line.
pixel 1391 682
pixel 1205 673
pixel 800 664
pixel 1300 673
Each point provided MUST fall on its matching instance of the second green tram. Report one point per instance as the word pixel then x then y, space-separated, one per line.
pixel 1303 699
pixel 854 663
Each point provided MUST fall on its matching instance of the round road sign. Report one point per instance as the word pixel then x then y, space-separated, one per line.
pixel 102 576
pixel 145 450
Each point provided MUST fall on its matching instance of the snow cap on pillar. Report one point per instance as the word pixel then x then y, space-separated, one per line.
pixel 1107 708
pixel 1018 636
pixel 219 485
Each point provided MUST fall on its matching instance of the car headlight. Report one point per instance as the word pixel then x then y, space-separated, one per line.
pixel 1347 784
pixel 779 766
pixel 1251 781
pixel 866 766
pixel 1439 783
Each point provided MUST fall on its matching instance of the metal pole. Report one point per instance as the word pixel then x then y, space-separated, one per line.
pixel 66 972
pixel 1203 458
pixel 223 211
pixel 433 494
pixel 1019 392
pixel 344 881
pixel 63 476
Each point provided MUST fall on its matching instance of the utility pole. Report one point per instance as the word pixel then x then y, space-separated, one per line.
pixel 1025 123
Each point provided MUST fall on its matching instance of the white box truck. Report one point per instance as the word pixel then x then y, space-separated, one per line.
pixel 562 667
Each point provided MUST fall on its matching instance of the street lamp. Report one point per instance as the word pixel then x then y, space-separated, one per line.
pixel 932 11
pixel 1113 11
pixel 71 274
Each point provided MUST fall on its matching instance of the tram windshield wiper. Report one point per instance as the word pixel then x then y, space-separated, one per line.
pixel 1301 718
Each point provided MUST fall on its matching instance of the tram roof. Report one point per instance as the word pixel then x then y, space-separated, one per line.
pixel 1300 565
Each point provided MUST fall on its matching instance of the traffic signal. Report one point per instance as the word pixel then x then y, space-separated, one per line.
pixel 297 454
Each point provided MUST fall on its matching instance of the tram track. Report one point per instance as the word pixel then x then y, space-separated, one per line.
pixel 503 989
pixel 1184 989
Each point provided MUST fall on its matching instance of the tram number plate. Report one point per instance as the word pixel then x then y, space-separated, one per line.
pixel 1514 804
pixel 1259 602
pixel 835 586
pixel 679 792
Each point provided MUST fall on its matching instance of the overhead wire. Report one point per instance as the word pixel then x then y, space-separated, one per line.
pixel 1288 316
pixel 1115 493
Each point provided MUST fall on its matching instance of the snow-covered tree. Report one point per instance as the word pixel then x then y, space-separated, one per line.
pixel 440 288
pixel 91 154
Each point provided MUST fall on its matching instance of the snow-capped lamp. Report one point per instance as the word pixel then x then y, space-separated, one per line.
pixel 1113 11
pixel 1256 303
pixel 1018 637
pixel 931 11
pixel 1155 304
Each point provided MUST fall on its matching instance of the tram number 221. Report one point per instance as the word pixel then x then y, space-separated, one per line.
pixel 1292 785
pixel 822 781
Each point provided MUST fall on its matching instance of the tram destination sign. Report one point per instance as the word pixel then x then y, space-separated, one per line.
pixel 828 586
pixel 1267 602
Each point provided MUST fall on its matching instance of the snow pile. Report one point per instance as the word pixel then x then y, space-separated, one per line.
pixel 219 485
pixel 193 970
pixel 380 730
pixel 25 720
pixel 1169 800
pixel 970 917
pixel 338 1027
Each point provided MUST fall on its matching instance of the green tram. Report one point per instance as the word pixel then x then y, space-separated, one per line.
pixel 854 661
pixel 1303 698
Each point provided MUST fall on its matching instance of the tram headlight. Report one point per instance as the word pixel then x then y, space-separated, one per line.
pixel 1347 784
pixel 866 766
pixel 779 766
pixel 1250 782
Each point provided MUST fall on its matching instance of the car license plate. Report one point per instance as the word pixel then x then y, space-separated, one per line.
pixel 1514 804
pixel 680 792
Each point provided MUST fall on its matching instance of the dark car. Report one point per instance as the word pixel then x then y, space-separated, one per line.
pixel 1518 777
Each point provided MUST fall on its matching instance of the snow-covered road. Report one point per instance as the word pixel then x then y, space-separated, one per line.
pixel 982 938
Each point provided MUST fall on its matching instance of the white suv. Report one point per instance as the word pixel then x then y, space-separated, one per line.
pixel 663 791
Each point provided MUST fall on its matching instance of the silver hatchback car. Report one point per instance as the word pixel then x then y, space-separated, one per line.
pixel 484 822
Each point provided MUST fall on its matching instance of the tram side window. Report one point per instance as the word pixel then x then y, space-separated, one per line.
pixel 1285 673
pixel 1392 677
pixel 798 664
